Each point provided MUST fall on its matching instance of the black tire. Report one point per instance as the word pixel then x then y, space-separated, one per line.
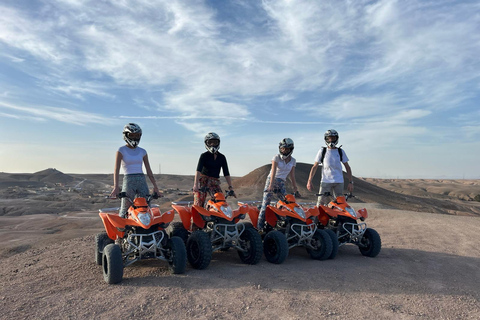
pixel 112 264
pixel 372 242
pixel 199 250
pixel 275 247
pixel 248 225
pixel 101 241
pixel 335 244
pixel 323 245
pixel 177 255
pixel 177 230
pixel 254 247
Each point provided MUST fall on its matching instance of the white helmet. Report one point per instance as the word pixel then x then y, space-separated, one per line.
pixel 286 143
pixel 331 133
pixel 132 134
pixel 212 142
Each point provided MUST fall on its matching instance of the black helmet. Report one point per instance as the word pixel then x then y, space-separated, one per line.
pixel 286 143
pixel 132 134
pixel 331 133
pixel 212 142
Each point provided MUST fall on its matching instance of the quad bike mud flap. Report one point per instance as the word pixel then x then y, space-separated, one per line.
pixel 351 233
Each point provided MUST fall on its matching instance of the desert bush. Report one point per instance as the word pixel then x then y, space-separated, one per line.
pixel 477 198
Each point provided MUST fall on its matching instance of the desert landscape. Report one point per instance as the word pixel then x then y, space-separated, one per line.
pixel 429 266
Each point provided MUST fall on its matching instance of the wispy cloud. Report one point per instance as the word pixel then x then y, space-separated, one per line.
pixel 53 113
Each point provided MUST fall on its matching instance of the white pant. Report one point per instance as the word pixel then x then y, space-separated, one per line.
pixel 336 188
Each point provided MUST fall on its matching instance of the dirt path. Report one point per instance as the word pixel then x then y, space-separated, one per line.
pixel 429 268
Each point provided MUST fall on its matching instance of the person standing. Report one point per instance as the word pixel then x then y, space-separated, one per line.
pixel 283 166
pixel 207 175
pixel 131 157
pixel 331 158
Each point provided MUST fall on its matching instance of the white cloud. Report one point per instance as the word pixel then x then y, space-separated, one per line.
pixel 41 113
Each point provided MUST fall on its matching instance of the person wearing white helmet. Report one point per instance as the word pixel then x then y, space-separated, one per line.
pixel 131 157
pixel 207 175
pixel 331 158
pixel 283 166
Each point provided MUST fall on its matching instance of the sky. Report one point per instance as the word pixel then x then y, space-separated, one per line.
pixel 399 81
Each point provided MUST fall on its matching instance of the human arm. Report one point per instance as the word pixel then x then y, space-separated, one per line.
pixel 294 182
pixel 150 174
pixel 116 174
pixel 195 182
pixel 273 172
pixel 311 175
pixel 350 176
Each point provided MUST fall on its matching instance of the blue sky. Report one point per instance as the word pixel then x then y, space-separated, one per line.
pixel 399 80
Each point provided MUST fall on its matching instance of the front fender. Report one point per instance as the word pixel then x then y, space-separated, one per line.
pixel 363 213
pixel 185 215
pixel 111 221
pixel 270 215
pixel 253 213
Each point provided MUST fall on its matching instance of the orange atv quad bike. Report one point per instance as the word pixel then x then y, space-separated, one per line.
pixel 215 227
pixel 289 225
pixel 140 235
pixel 342 219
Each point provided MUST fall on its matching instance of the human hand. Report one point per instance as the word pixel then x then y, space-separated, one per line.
pixel 114 193
pixel 309 185
pixel 195 188
pixel 350 187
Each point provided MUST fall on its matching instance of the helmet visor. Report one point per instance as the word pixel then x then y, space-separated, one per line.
pixel 213 142
pixel 134 136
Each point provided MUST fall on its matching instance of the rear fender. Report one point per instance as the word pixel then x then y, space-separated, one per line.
pixel 185 215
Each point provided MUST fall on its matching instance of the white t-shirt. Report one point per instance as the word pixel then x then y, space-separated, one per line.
pixel 283 168
pixel 132 159
pixel 332 171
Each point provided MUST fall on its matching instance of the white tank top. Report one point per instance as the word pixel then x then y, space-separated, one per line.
pixel 132 159
pixel 283 168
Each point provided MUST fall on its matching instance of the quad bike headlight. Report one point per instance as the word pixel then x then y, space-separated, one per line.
pixel 227 211
pixel 351 211
pixel 144 218
pixel 300 212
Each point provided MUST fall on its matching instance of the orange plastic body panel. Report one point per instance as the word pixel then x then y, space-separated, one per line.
pixel 113 222
pixel 253 213
pixel 363 213
pixel 185 215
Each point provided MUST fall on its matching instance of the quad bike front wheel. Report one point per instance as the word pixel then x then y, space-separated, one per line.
pixel 370 244
pixel 321 245
pixel 275 247
pixel 335 244
pixel 101 241
pixel 252 242
pixel 177 255
pixel 199 250
pixel 112 264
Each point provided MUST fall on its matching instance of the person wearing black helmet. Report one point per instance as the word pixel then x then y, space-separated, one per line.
pixel 331 158
pixel 131 157
pixel 209 165
pixel 283 166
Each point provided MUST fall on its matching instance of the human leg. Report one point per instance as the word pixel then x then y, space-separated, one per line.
pixel 267 197
pixel 324 187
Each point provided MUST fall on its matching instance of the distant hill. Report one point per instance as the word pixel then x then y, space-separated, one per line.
pixel 253 183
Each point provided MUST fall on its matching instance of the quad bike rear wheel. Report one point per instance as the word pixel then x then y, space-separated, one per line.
pixel 335 244
pixel 101 241
pixel 177 258
pixel 112 264
pixel 322 245
pixel 199 250
pixel 370 244
pixel 178 230
pixel 253 244
pixel 275 247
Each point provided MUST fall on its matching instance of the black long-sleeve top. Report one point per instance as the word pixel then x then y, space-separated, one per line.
pixel 210 167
